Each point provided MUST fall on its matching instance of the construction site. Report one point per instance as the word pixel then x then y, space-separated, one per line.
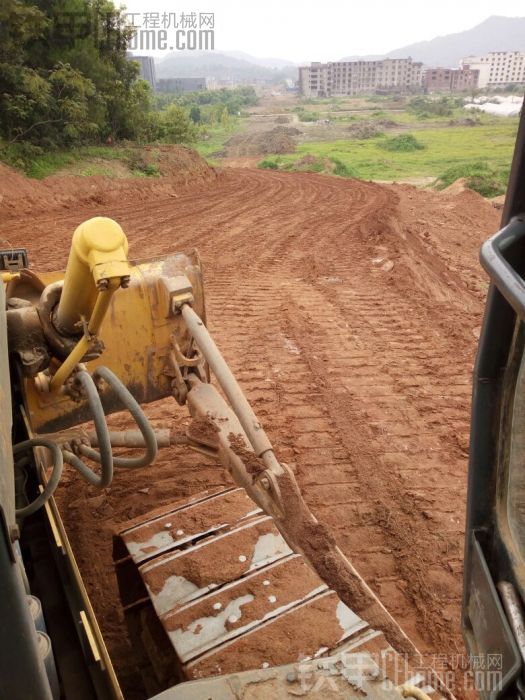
pixel 349 312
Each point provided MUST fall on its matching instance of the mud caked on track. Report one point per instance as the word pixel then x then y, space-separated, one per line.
pixel 349 312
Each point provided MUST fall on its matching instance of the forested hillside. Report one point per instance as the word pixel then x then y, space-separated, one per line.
pixel 64 76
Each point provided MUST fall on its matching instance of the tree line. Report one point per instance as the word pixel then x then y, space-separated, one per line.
pixel 65 80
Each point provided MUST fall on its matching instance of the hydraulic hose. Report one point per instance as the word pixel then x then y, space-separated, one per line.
pixel 105 456
pixel 49 489
pixel 127 400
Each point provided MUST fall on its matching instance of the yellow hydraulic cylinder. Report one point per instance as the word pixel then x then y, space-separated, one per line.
pixel 81 348
pixel 96 268
pixel 98 254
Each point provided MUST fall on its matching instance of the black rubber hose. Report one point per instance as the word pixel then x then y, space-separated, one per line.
pixel 49 489
pixel 127 400
pixel 105 456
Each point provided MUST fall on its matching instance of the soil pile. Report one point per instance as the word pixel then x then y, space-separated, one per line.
pixel 276 140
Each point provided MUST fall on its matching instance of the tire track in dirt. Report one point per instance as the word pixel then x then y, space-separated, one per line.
pixel 348 312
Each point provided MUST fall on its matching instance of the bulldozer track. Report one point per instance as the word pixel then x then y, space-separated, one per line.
pixel 348 312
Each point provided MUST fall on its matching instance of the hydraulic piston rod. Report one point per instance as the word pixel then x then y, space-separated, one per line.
pixel 247 418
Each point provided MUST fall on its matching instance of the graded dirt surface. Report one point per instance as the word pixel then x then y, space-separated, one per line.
pixel 349 312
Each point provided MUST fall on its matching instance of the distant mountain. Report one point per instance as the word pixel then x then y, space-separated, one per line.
pixel 222 66
pixel 368 57
pixel 265 62
pixel 494 34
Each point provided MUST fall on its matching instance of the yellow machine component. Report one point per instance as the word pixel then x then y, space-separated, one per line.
pixel 9 276
pixel 96 268
pixel 93 327
pixel 98 254
pixel 140 328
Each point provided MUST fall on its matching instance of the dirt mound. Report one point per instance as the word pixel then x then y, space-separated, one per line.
pixel 458 186
pixel 15 189
pixel 179 163
pixel 498 202
pixel 282 119
pixel 369 129
pixel 276 140
pixel 177 167
pixel 364 131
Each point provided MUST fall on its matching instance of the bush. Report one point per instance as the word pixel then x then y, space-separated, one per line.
pixel 425 107
pixel 404 142
pixel 341 169
pixel 305 116
pixel 481 177
pixel 268 164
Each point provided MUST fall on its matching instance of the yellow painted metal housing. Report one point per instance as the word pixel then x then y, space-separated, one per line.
pixel 99 251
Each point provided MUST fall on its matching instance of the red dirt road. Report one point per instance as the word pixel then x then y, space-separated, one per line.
pixel 349 312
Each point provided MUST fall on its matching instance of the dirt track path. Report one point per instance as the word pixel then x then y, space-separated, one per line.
pixel 349 312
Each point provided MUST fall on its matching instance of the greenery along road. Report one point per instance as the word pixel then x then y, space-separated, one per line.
pixel 65 82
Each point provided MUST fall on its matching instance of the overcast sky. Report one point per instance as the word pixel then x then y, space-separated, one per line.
pixel 304 30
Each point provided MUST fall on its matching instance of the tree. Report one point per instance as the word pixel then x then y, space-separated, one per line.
pixel 176 126
pixel 64 74
pixel 195 114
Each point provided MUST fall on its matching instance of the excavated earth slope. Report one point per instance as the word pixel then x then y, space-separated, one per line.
pixel 349 312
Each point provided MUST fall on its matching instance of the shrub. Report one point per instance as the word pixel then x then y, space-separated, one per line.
pixel 403 142
pixel 341 169
pixel 268 164
pixel 305 116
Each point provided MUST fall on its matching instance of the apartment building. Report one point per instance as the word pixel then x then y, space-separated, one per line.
pixel 450 80
pixel 498 68
pixel 341 78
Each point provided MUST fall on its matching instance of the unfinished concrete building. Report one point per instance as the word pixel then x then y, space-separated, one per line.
pixel 343 78
pixel 450 79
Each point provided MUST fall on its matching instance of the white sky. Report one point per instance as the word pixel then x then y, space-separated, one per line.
pixel 307 30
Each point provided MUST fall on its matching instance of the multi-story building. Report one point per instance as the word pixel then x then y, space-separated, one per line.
pixel 498 68
pixel 313 79
pixel 181 84
pixel 449 79
pixel 147 68
pixel 464 79
pixel 340 78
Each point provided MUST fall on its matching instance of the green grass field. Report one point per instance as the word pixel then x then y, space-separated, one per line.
pixel 444 148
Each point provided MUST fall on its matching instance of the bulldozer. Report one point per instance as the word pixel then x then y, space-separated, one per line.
pixel 236 592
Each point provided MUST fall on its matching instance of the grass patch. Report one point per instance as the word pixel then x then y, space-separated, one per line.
pixel 212 140
pixel 86 161
pixel 488 180
pixel 310 164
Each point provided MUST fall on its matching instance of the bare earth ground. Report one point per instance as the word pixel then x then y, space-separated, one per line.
pixel 349 312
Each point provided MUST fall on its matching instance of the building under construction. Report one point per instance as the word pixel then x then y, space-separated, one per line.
pixel 342 78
